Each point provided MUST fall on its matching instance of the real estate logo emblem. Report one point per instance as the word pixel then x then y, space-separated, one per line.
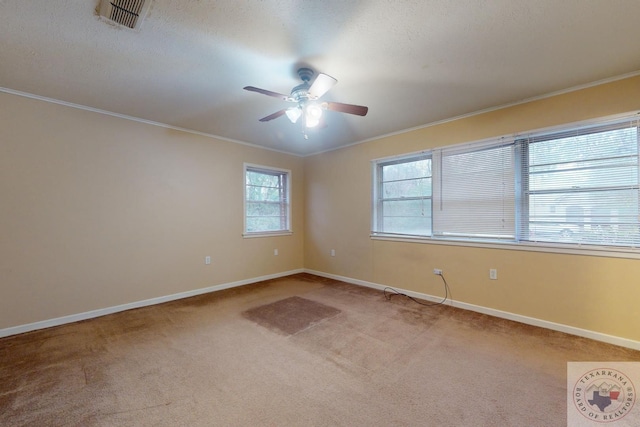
pixel 604 395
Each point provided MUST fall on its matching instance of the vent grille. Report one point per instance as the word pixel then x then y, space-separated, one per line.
pixel 128 13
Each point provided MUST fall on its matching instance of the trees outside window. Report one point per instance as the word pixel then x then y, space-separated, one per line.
pixel 267 206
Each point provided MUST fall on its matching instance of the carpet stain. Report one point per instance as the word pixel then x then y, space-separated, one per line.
pixel 290 315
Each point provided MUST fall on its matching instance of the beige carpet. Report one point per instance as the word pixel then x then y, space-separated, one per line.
pixel 296 351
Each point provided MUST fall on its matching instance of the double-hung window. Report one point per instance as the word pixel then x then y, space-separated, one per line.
pixel 266 200
pixel 575 186
pixel 403 190
pixel 581 186
pixel 475 192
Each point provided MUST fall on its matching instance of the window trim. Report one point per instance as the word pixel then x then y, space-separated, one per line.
pixel 288 184
pixel 520 205
pixel 557 248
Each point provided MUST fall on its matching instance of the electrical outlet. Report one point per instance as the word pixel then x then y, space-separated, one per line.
pixel 333 252
pixel 493 274
pixel 207 260
pixel 275 252
pixel 437 272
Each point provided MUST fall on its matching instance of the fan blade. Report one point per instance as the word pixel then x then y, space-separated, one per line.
pixel 268 92
pixel 273 116
pixel 321 85
pixel 358 110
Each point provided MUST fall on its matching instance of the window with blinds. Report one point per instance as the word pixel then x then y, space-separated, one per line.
pixel 576 186
pixel 581 186
pixel 266 205
pixel 475 194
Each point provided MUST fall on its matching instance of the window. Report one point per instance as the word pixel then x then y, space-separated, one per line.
pixel 475 197
pixel 403 196
pixel 266 194
pixel 572 187
pixel 582 186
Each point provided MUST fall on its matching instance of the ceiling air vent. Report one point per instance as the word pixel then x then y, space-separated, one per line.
pixel 128 13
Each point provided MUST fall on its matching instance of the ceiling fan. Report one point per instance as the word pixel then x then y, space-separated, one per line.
pixel 305 96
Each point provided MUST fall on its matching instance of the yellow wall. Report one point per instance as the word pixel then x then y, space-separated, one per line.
pixel 98 211
pixel 594 293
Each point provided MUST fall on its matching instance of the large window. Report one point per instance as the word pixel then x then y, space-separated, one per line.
pixel 572 187
pixel 266 194
pixel 582 186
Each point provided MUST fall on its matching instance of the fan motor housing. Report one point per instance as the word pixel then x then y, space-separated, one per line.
pixel 300 92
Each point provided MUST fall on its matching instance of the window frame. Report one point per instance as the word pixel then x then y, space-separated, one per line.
pixel 378 199
pixel 604 187
pixel 284 201
pixel 520 197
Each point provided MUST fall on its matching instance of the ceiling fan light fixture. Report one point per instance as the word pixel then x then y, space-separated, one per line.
pixel 311 122
pixel 305 96
pixel 313 112
pixel 294 114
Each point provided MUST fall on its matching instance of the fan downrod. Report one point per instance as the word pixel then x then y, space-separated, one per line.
pixel 300 93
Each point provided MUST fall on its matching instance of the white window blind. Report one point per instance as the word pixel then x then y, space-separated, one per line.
pixel 474 195
pixel 575 186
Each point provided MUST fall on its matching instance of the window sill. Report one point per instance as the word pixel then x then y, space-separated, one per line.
pixel 266 234
pixel 599 251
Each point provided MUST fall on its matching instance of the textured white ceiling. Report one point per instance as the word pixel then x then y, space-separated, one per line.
pixel 410 62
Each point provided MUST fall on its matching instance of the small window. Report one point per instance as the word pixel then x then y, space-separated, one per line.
pixel 403 196
pixel 266 195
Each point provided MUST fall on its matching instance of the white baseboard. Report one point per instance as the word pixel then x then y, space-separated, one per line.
pixel 585 333
pixel 14 330
pixel 611 339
